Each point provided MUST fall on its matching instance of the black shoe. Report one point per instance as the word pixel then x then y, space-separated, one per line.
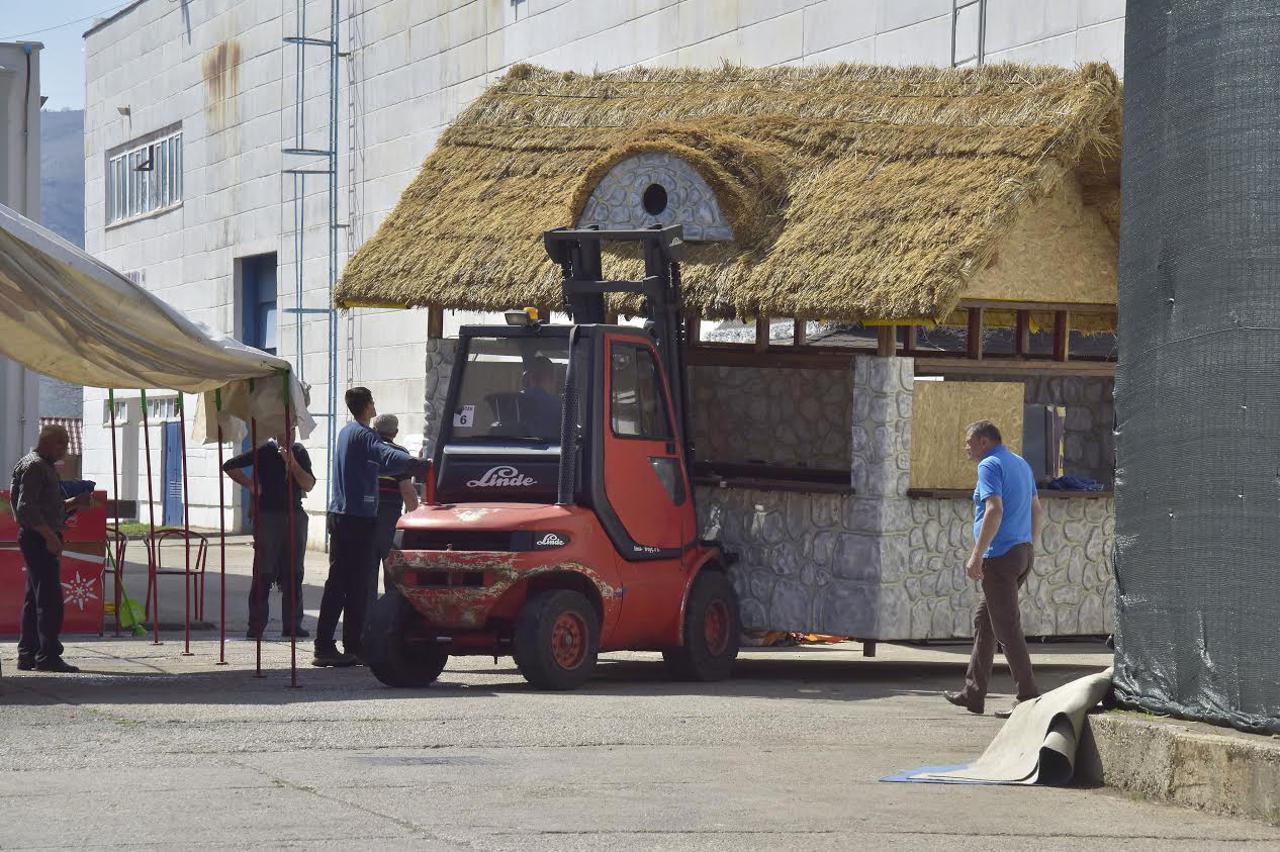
pixel 330 657
pixel 26 663
pixel 960 700
pixel 300 633
pixel 57 664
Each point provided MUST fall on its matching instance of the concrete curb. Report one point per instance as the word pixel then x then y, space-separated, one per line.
pixel 1184 763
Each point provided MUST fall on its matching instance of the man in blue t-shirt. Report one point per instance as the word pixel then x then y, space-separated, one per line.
pixel 358 459
pixel 1006 521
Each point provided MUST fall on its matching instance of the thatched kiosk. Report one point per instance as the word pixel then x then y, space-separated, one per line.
pixel 910 223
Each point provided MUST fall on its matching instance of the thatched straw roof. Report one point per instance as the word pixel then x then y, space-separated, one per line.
pixel 854 192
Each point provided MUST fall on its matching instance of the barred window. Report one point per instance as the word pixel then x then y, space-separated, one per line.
pixel 145 178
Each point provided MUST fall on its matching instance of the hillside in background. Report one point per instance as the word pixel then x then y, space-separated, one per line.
pixel 62 173
pixel 62 211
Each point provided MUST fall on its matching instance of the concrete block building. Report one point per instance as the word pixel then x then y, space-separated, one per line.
pixel 211 129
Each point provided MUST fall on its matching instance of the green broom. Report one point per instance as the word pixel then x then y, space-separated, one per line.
pixel 132 614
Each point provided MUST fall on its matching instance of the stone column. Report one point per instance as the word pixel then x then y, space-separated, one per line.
pixel 440 357
pixel 871 556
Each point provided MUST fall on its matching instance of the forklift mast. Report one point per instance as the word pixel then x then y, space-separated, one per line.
pixel 578 253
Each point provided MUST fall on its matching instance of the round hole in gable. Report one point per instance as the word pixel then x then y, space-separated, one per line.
pixel 654 199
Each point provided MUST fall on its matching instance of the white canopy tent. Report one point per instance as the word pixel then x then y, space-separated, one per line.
pixel 66 314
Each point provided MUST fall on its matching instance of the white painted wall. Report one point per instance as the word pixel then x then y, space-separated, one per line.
pixel 413 66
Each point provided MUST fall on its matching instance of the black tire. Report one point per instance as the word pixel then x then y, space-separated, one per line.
pixel 557 639
pixel 711 628
pixel 392 659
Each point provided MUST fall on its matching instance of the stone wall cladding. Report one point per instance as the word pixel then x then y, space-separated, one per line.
pixel 617 200
pixel 877 564
pixel 814 561
pixel 817 562
pixel 780 416
pixel 1070 591
pixel 439 367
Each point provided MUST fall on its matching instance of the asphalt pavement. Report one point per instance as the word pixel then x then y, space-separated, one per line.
pixel 148 748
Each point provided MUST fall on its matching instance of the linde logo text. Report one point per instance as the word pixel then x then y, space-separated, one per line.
pixel 550 540
pixel 503 476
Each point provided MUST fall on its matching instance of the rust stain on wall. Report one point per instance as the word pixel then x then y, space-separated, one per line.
pixel 221 67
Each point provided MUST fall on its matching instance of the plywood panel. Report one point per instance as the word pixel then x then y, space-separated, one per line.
pixel 940 411
pixel 1058 251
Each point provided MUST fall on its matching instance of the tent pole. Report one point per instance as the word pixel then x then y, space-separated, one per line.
pixel 222 539
pixel 254 519
pixel 186 521
pixel 292 547
pixel 115 492
pixel 151 539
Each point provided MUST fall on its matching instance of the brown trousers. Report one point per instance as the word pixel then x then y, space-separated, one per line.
pixel 998 620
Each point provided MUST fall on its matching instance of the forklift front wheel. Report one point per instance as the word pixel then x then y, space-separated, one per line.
pixel 390 656
pixel 557 638
pixel 711 629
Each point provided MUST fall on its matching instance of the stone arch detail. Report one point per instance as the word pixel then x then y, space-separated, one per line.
pixel 656 187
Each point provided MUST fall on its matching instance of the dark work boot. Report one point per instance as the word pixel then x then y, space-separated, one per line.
pixel 26 663
pixel 331 657
pixel 961 700
pixel 55 664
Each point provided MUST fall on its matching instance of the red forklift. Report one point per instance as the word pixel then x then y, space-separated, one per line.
pixel 559 520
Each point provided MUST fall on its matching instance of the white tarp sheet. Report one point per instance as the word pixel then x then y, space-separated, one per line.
pixel 65 314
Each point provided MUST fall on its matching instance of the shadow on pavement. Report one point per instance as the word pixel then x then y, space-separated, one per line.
pixel 782 676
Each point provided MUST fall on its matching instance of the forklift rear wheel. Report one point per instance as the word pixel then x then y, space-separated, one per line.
pixel 711 629
pixel 557 638
pixel 387 652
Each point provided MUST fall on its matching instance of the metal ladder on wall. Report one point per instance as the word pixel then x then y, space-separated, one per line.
pixel 300 151
pixel 960 54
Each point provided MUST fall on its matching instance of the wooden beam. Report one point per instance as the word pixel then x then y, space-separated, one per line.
pixel 909 346
pixel 762 332
pixel 973 338
pixel 797 331
pixel 1022 335
pixel 435 322
pixel 692 329
pixel 1061 335
pixel 887 341
pixel 1009 367
pixel 780 357
pixel 1041 307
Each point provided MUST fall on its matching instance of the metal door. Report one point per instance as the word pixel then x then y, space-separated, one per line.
pixel 172 452
pixel 644 475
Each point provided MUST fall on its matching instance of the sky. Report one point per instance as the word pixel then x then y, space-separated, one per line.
pixel 60 25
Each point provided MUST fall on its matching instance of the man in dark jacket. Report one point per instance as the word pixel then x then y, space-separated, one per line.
pixel 358 459
pixel 271 530
pixel 41 512
pixel 396 495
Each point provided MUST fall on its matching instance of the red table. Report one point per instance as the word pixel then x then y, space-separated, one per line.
pixel 82 568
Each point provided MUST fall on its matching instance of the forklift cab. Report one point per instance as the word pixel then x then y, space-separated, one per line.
pixel 587 414
pixel 517 392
